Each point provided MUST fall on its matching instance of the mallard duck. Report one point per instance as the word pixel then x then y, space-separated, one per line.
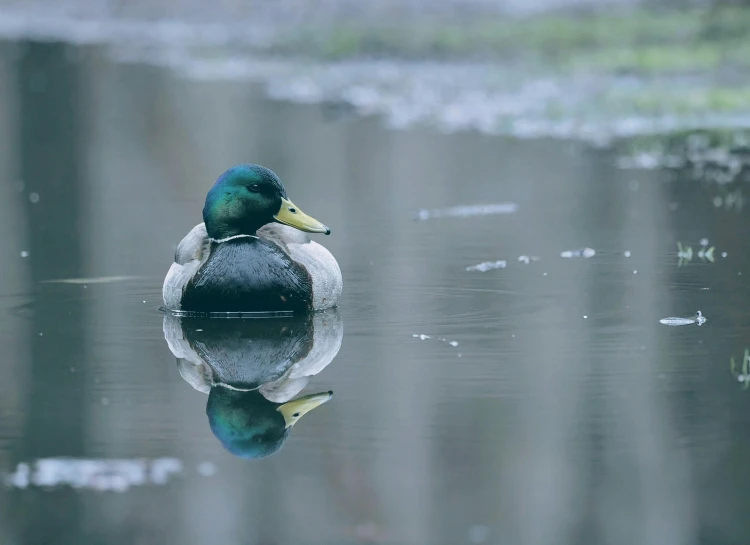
pixel 252 370
pixel 250 253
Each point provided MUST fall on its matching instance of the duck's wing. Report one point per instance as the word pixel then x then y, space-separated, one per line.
pixel 328 332
pixel 324 271
pixel 191 253
pixel 191 367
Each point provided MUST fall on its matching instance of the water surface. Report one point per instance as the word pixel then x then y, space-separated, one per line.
pixel 535 403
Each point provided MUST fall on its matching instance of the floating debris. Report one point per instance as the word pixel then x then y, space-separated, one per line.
pixel 626 253
pixel 527 258
pixel 424 337
pixel 744 375
pixel 723 254
pixel 706 255
pixel 731 201
pixel 685 253
pixel 97 280
pixel 467 211
pixel 34 198
pixel 488 266
pixel 24 253
pixel 113 475
pixel 673 321
pixel 581 252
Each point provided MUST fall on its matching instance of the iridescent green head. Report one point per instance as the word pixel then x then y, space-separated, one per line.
pixel 250 426
pixel 247 197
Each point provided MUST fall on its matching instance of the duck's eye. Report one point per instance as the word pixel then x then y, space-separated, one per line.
pixel 255 187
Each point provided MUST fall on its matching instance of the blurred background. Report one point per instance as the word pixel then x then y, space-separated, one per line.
pixel 526 197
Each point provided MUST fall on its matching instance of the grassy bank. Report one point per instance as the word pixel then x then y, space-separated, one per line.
pixel 691 65
pixel 638 40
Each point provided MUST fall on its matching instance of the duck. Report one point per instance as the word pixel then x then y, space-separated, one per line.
pixel 253 372
pixel 252 252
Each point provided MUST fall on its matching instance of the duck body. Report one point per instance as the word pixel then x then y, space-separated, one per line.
pixel 248 274
pixel 251 268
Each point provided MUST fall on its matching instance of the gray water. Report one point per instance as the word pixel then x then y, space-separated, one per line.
pixel 539 403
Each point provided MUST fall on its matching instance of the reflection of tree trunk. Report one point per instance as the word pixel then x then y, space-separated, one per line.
pixel 48 123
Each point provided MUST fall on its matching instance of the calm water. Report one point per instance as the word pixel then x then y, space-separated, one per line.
pixel 547 406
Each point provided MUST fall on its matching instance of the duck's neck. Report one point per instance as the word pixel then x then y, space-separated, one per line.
pixel 232 237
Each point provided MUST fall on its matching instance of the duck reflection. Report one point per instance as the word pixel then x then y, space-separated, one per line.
pixel 252 370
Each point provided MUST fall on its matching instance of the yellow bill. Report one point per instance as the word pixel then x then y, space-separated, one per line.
pixel 294 410
pixel 290 215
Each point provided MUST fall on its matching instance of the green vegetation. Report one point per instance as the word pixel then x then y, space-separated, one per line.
pixel 618 72
pixel 684 100
pixel 638 40
pixel 743 373
pixel 719 157
pixel 692 143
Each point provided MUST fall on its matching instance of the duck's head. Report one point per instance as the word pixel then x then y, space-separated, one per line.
pixel 247 197
pixel 250 426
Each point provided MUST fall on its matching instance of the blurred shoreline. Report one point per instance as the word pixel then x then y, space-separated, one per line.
pixel 593 75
